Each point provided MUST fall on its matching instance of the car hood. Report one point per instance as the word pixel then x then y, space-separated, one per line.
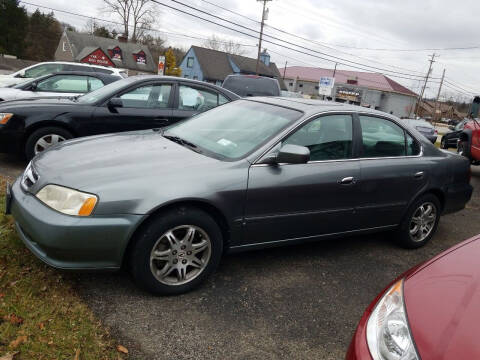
pixel 442 301
pixel 7 80
pixel 128 167
pixel 11 94
pixel 37 101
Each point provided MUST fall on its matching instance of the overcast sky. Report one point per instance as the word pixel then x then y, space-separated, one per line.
pixel 338 28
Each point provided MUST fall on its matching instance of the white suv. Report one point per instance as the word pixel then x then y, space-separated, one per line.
pixel 46 68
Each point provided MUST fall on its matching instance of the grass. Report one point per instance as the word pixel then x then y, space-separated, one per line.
pixel 41 317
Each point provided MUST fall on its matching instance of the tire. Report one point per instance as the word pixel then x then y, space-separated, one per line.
pixel 32 145
pixel 443 144
pixel 156 252
pixel 462 149
pixel 404 235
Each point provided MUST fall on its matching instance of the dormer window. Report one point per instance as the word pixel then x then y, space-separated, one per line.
pixel 140 57
pixel 115 53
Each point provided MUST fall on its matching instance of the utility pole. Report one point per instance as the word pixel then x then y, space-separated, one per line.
pixel 335 70
pixel 438 96
pixel 285 69
pixel 261 33
pixel 419 101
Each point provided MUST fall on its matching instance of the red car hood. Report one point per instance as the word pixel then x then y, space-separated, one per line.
pixel 442 300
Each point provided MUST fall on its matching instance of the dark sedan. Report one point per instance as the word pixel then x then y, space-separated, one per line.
pixel 139 102
pixel 450 139
pixel 249 174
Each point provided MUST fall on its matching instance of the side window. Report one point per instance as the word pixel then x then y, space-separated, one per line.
pixel 196 99
pixel 94 83
pixel 102 70
pixel 149 96
pixel 381 138
pixel 413 147
pixel 327 137
pixel 43 69
pixel 190 62
pixel 222 99
pixel 64 83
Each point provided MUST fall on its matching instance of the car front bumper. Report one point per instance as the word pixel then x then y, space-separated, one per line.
pixel 70 242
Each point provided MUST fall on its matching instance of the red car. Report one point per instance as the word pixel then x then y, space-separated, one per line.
pixel 431 312
pixel 469 142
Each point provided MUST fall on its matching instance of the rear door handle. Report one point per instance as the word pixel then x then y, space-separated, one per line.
pixel 419 175
pixel 347 181
pixel 161 120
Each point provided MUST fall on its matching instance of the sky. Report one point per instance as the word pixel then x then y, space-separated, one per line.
pixel 367 32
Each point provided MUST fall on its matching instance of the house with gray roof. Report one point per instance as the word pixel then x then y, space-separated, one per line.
pixel 214 66
pixel 86 48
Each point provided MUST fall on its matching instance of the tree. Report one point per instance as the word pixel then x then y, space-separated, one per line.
pixel 44 32
pixel 171 64
pixel 14 25
pixel 136 14
pixel 229 46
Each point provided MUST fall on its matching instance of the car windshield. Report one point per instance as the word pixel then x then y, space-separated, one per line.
pixel 252 86
pixel 234 130
pixel 106 91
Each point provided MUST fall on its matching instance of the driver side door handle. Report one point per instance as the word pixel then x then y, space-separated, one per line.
pixel 347 181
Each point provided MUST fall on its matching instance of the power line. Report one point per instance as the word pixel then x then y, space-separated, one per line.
pixel 338 59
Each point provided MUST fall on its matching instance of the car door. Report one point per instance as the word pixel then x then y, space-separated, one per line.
pixel 144 106
pixel 195 99
pixel 292 201
pixel 392 171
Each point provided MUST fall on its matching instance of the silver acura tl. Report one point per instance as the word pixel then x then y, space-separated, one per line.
pixel 254 173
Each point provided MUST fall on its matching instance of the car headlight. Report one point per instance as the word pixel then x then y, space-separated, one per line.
pixel 4 117
pixel 388 333
pixel 67 201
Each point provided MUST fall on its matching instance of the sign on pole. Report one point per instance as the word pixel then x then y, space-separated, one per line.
pixel 325 86
pixel 161 65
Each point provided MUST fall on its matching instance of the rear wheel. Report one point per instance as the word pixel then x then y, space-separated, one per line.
pixel 176 251
pixel 420 223
pixel 44 138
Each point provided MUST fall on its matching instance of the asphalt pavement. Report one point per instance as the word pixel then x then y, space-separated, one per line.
pixel 296 302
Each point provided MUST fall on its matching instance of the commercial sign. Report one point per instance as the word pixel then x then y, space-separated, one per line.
pixel 98 57
pixel 325 86
pixel 349 94
pixel 161 65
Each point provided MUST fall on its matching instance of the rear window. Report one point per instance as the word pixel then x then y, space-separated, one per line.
pixel 252 86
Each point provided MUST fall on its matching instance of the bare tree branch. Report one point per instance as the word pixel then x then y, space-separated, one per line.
pixel 229 46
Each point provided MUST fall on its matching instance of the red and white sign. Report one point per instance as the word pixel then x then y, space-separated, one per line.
pixel 161 65
pixel 98 57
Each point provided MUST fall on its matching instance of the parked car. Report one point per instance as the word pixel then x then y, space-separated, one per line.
pixel 139 102
pixel 252 85
pixel 250 174
pixel 431 312
pixel 62 84
pixel 291 94
pixel 469 142
pixel 424 127
pixel 450 139
pixel 45 68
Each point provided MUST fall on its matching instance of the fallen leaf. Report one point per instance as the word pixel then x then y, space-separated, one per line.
pixel 13 283
pixel 43 289
pixel 18 341
pixel 41 326
pixel 13 319
pixel 77 355
pixel 122 349
pixel 2 295
pixel 8 356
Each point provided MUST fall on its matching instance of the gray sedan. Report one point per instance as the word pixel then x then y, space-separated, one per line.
pixel 423 127
pixel 249 174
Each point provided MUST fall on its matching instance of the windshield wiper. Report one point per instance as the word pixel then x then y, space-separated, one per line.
pixel 181 141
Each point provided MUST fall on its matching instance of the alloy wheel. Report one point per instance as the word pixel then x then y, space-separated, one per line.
pixel 47 141
pixel 180 255
pixel 423 221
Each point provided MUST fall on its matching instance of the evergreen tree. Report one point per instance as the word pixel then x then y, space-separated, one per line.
pixel 14 27
pixel 44 32
pixel 171 64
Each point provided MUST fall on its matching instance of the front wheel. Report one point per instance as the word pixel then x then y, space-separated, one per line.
pixel 176 251
pixel 420 223
pixel 44 138
pixel 443 144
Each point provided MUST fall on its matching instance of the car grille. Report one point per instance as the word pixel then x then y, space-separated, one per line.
pixel 29 177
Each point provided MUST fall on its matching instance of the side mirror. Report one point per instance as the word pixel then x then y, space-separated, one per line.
pixel 115 103
pixel 20 75
pixel 33 86
pixel 289 154
pixel 451 127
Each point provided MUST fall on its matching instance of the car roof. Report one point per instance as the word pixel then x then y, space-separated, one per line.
pixel 313 106
pixel 77 63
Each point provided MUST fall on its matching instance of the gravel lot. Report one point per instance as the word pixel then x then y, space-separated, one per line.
pixel 296 302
